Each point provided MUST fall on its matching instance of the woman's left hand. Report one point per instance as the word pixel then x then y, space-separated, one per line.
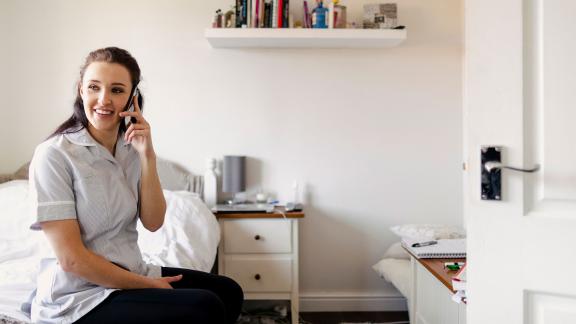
pixel 138 134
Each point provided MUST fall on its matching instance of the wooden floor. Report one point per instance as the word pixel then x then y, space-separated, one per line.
pixel 354 317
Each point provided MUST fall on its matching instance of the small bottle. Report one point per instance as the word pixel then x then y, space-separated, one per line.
pixel 331 16
pixel 339 15
pixel 210 184
pixel 319 15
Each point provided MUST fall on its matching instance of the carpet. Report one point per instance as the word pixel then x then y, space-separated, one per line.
pixel 266 319
pixel 276 316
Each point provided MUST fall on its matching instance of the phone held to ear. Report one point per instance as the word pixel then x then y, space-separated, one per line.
pixel 128 120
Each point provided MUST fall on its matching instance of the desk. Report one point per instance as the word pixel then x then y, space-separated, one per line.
pixel 260 252
pixel 431 293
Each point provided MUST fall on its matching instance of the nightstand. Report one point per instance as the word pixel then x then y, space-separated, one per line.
pixel 260 252
pixel 431 293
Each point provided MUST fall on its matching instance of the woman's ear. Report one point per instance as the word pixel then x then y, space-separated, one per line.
pixel 80 91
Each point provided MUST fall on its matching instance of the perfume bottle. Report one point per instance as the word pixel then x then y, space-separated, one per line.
pixel 319 15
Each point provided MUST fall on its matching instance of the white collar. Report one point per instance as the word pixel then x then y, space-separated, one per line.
pixel 83 137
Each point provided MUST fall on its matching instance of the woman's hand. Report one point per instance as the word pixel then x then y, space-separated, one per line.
pixel 138 134
pixel 164 282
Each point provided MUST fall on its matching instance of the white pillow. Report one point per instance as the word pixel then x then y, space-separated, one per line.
pixel 428 231
pixel 397 272
pixel 396 251
pixel 189 237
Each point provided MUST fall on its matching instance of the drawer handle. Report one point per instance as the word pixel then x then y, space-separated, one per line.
pixel 257 237
pixel 257 276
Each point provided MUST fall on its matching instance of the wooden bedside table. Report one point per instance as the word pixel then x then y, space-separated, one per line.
pixel 260 252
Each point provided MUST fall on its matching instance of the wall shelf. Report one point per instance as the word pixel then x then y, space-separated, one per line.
pixel 303 38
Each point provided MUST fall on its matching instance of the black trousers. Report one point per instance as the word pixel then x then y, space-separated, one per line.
pixel 199 298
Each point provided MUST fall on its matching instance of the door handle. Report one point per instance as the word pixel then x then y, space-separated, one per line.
pixel 491 172
pixel 491 165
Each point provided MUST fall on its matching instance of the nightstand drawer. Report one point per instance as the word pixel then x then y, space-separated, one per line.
pixel 257 236
pixel 260 275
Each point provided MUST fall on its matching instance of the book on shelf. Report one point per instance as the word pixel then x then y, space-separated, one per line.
pixel 274 17
pixel 267 14
pixel 307 20
pixel 285 13
pixel 249 13
pixel 256 14
pixel 238 11
pixel 243 19
pixel 446 248
pixel 280 13
pixel 262 14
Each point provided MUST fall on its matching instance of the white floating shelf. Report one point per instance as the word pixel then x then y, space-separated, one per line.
pixel 303 38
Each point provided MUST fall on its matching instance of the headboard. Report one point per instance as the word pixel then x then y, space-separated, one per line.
pixel 172 177
pixel 21 174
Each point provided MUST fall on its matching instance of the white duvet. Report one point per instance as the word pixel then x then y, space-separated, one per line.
pixel 188 239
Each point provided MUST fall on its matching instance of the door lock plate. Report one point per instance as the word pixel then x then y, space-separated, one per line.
pixel 491 181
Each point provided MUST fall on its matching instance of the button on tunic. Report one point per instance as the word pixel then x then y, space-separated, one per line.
pixel 74 177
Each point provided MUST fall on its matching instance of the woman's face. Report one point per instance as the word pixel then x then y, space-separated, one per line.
pixel 105 90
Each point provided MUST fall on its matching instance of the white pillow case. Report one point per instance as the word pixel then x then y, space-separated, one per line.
pixel 397 272
pixel 428 231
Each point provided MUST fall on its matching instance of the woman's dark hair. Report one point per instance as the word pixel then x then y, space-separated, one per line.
pixel 78 120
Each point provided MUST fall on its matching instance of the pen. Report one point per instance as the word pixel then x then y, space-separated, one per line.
pixel 421 244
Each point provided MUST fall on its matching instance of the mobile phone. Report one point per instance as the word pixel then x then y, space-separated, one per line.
pixel 130 107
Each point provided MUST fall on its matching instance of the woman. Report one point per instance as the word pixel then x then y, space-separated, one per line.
pixel 91 180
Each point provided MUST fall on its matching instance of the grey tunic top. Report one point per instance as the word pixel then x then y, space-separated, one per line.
pixel 74 177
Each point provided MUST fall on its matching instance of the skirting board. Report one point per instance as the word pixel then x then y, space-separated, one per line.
pixel 323 302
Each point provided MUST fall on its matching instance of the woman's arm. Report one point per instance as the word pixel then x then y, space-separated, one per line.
pixel 152 202
pixel 74 257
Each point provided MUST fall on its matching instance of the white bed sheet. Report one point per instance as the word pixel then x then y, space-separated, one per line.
pixel 11 298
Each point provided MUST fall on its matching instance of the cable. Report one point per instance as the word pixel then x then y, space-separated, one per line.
pixel 283 214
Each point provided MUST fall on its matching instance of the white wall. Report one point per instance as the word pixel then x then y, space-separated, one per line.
pixel 375 134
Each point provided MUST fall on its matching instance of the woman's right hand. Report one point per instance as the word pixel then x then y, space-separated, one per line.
pixel 164 282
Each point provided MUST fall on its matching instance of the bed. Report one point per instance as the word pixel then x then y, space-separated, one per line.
pixel 188 239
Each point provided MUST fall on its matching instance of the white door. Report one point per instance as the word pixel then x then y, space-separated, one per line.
pixel 520 93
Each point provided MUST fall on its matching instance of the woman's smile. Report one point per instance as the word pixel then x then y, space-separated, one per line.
pixel 104 112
